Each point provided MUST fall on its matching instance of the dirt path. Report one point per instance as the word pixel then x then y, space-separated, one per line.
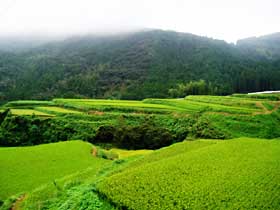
pixel 16 204
pixel 94 152
pixel 277 105
pixel 265 110
pixel 258 104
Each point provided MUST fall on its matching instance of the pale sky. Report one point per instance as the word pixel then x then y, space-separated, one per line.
pixel 220 19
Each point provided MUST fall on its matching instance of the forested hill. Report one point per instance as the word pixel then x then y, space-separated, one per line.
pixel 138 65
pixel 265 46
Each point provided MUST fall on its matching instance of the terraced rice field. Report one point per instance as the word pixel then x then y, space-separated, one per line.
pixel 231 105
pixel 234 174
pixel 25 168
pixel 55 109
pixel 29 112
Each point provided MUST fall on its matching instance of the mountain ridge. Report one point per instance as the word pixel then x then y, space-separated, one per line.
pixel 135 66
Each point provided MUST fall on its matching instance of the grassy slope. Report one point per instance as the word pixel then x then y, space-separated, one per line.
pixel 28 112
pixel 234 174
pixel 236 116
pixel 54 109
pixel 216 160
pixel 24 168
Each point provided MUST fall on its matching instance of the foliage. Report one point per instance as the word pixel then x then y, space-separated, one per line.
pixel 192 88
pixel 127 122
pixel 203 128
pixel 20 130
pixel 28 112
pixel 110 155
pixel 139 65
pixel 272 97
pixel 78 198
pixel 145 136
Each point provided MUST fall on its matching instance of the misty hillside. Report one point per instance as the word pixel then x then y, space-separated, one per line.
pixel 138 65
pixel 265 46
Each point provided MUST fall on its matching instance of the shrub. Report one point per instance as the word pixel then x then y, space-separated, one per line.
pixel 144 136
pixel 105 134
pixel 204 129
pixel 107 154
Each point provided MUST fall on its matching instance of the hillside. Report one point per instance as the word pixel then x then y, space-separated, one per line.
pixel 267 46
pixel 26 168
pixel 236 164
pixel 203 174
pixel 235 174
pixel 135 65
pixel 146 124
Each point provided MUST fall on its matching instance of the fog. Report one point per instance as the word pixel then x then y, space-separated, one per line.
pixel 220 19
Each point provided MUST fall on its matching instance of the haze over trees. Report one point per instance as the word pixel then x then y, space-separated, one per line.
pixel 144 64
pixel 146 148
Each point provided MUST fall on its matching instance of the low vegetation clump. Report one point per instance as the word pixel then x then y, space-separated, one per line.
pixel 22 131
pixel 144 136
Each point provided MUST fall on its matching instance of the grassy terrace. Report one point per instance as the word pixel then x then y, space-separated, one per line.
pixel 237 104
pixel 29 112
pixel 239 173
pixel 25 168
pixel 234 174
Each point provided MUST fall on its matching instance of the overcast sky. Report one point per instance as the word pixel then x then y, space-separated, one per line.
pixel 222 19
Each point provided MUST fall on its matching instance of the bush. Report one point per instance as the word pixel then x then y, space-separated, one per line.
pixel 144 136
pixel 107 154
pixel 204 129
pixel 105 134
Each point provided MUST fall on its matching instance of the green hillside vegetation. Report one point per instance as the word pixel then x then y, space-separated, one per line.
pixel 149 119
pixel 28 112
pixel 234 174
pixel 25 168
pixel 202 174
pixel 139 151
pixel 31 176
pixel 118 122
pixel 144 64
pixel 55 109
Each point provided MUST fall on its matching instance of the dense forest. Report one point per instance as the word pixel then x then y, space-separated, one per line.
pixel 145 64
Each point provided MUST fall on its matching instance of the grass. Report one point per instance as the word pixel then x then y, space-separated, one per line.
pixel 113 105
pixel 25 168
pixel 55 109
pixel 234 174
pixel 268 106
pixel 29 112
pixel 202 174
pixel 271 97
pixel 257 126
pixel 225 100
pixel 27 103
pixel 237 104
pixel 236 116
pixel 122 153
pixel 205 103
